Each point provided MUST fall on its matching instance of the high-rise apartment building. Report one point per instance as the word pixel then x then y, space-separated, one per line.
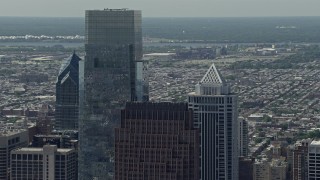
pixel 47 163
pixel 243 137
pixel 313 160
pixel 156 141
pixel 300 160
pixel 67 95
pixel 9 141
pixel 112 75
pixel 215 114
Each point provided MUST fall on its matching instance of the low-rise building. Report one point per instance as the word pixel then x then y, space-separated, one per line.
pixel 47 163
pixel 10 140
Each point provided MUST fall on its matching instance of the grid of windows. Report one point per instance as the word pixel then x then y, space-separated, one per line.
pixel 314 162
pixel 26 167
pixel 67 95
pixel 113 47
pixel 156 141
pixel 28 164
pixel 215 115
pixel 9 142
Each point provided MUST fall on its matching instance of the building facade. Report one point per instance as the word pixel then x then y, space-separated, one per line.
pixel 246 168
pixel 261 170
pixel 156 141
pixel 278 169
pixel 215 115
pixel 112 74
pixel 243 137
pixel 313 162
pixel 45 120
pixel 300 160
pixel 8 142
pixel 67 95
pixel 47 163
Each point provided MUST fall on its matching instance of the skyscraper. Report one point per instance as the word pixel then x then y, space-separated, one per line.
pixel 67 95
pixel 215 114
pixel 112 75
pixel 156 141
pixel 300 160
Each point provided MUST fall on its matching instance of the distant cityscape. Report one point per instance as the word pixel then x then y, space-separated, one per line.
pixel 113 108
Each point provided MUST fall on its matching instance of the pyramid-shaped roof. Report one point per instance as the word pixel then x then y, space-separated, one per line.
pixel 72 60
pixel 212 76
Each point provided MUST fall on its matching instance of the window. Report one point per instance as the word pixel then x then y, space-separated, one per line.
pixel 96 62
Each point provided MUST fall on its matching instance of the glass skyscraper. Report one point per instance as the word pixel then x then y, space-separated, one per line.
pixel 215 115
pixel 67 95
pixel 112 74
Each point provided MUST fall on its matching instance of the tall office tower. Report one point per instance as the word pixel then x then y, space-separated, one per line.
pixel 215 114
pixel 300 160
pixel 8 142
pixel 67 95
pixel 243 137
pixel 111 76
pixel 47 163
pixel 156 141
pixel 313 162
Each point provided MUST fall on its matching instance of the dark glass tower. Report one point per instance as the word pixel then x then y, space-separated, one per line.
pixel 112 76
pixel 67 95
pixel 156 141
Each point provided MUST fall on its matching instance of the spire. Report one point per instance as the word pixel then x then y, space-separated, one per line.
pixel 74 58
pixel 212 83
pixel 212 76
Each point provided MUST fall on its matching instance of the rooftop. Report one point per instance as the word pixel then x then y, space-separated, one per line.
pixel 315 143
pixel 40 150
pixel 212 76
pixel 5 133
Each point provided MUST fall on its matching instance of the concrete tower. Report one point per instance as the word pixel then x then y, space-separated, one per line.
pixel 215 114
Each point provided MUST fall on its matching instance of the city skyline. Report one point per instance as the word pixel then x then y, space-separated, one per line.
pixel 238 107
pixel 191 8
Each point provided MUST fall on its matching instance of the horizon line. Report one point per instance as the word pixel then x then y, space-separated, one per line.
pixel 169 16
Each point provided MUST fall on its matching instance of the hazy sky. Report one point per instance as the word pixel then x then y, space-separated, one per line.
pixel 164 8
